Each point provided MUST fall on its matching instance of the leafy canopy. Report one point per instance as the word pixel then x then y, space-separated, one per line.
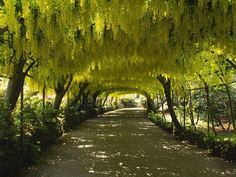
pixel 116 43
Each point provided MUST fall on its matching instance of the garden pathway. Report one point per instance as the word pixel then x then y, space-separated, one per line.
pixel 124 143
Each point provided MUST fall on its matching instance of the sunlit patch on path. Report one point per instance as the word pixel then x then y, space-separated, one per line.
pixel 124 143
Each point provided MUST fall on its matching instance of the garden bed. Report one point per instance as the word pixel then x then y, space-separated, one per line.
pixel 216 145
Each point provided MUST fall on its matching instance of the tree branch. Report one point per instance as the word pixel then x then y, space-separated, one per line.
pixel 3 30
pixel 231 63
pixel 29 67
pixel 29 76
pixel 69 83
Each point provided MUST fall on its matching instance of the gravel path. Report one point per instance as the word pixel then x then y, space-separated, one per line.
pixel 124 143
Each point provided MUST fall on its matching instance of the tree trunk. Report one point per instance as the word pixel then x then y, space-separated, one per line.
pixel 75 100
pixel 68 98
pixel 15 84
pixel 111 102
pixel 191 109
pixel 221 124
pixel 198 116
pixel 22 115
pixel 184 116
pixel 162 109
pixel 230 105
pixel 44 94
pixel 231 109
pixel 58 100
pixel 84 100
pixel 14 88
pixel 209 111
pixel 82 87
pixel 150 105
pixel 94 96
pixel 105 100
pixel 61 90
pixel 167 89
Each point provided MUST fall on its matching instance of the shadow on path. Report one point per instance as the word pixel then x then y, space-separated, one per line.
pixel 124 143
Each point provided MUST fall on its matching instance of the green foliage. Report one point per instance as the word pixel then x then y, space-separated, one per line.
pixel 7 126
pixel 41 128
pixel 10 157
pixel 109 43
pixel 199 102
pixel 31 118
pixel 30 150
pixel 72 117
pixel 193 136
pixel 221 148
pixel 38 132
pixel 167 126
pixel 50 128
pixel 128 103
pixel 219 100
pixel 215 144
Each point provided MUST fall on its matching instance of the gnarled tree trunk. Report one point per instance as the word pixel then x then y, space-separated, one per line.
pixel 94 96
pixel 16 82
pixel 82 87
pixel 61 90
pixel 104 101
pixel 166 83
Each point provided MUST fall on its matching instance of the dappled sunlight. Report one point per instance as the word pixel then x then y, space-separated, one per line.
pixel 115 147
pixel 139 134
pixel 106 135
pixel 76 140
pixel 100 154
pixel 85 146
pixel 63 62
pixel 150 124
pixel 109 125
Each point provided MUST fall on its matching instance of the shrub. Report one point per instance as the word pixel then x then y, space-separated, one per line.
pixel 31 118
pixel 192 136
pixel 30 150
pixel 71 116
pixel 41 127
pixel 216 145
pixel 128 103
pixel 51 126
pixel 230 154
pixel 167 126
pixel 10 158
